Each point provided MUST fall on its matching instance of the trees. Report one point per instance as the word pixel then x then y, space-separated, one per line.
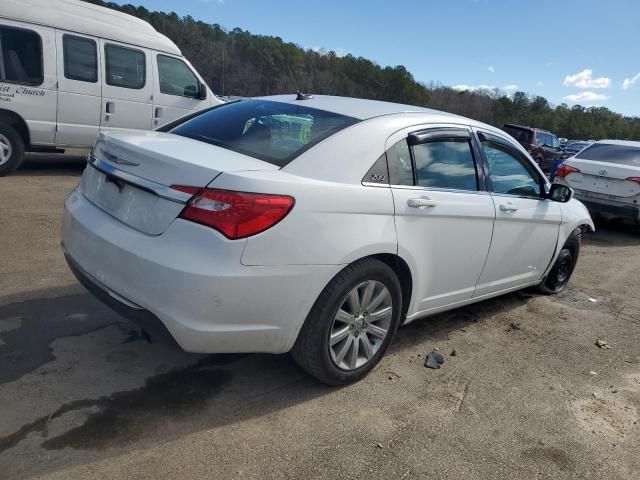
pixel 237 62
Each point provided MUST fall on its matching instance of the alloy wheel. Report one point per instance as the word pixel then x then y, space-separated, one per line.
pixel 5 149
pixel 360 325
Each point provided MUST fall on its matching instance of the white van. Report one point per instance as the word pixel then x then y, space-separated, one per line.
pixel 69 69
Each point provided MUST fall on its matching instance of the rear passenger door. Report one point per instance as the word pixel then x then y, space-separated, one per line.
pixel 444 219
pixel 79 89
pixel 127 87
pixel 176 89
pixel 526 226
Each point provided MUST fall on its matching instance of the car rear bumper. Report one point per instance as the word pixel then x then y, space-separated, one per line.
pixel 610 208
pixel 189 282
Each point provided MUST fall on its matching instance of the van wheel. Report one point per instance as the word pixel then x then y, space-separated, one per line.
pixel 351 324
pixel 11 149
pixel 563 268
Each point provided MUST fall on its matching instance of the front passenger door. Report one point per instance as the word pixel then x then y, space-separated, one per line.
pixel 526 228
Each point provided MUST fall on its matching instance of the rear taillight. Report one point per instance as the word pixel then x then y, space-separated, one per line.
pixel 564 170
pixel 634 179
pixel 234 214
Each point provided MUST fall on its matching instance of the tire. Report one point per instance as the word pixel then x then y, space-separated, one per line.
pixel 563 267
pixel 11 149
pixel 332 314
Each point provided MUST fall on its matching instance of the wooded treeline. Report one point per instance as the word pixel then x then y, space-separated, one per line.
pixel 236 62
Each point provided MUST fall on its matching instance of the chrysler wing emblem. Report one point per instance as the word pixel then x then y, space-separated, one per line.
pixel 602 172
pixel 118 160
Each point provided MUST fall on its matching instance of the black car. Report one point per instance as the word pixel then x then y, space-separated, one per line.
pixel 541 144
pixel 575 146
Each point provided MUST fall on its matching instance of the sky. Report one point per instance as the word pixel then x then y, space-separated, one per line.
pixel 571 51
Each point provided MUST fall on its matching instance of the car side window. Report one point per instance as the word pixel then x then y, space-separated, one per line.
pixel 400 166
pixel 510 172
pixel 20 56
pixel 176 78
pixel 446 163
pixel 540 139
pixel 80 59
pixel 554 142
pixel 125 67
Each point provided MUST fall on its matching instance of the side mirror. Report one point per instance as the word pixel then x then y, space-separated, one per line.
pixel 560 193
pixel 202 91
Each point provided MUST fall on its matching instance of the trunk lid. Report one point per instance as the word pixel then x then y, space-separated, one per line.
pixel 130 174
pixel 603 177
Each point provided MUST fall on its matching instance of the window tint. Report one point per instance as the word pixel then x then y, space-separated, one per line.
pixel 125 67
pixel 554 141
pixel 400 167
pixel 80 59
pixel 21 59
pixel 541 138
pixel 271 131
pixel 606 152
pixel 176 78
pixel 445 164
pixel 509 172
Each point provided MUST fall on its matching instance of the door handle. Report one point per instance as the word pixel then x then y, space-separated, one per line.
pixel 110 108
pixel 157 113
pixel 422 203
pixel 508 207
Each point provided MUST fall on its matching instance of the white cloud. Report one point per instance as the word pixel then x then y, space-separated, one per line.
pixel 628 82
pixel 539 84
pixel 472 88
pixel 548 64
pixel 491 69
pixel 584 79
pixel 586 97
pixel 340 52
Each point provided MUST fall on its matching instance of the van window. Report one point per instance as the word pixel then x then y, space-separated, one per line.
pixel 80 59
pixel 176 78
pixel 20 56
pixel 125 67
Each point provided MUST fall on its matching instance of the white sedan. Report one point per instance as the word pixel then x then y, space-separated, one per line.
pixel 606 177
pixel 315 225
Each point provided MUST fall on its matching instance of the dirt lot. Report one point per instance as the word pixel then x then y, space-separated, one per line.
pixel 527 394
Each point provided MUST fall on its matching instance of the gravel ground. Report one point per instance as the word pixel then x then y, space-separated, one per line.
pixel 527 394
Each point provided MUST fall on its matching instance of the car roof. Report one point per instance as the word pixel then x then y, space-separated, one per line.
pixel 526 128
pixel 359 108
pixel 83 17
pixel 623 143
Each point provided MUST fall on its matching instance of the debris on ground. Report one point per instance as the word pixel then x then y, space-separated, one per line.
pixel 453 353
pixel 593 300
pixel 514 326
pixel 603 345
pixel 379 445
pixel 434 360
pixel 592 373
pixel 392 375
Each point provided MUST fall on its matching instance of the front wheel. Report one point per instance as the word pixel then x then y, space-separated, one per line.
pixel 563 267
pixel 11 149
pixel 351 324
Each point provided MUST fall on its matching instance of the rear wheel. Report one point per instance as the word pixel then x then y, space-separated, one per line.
pixel 11 149
pixel 563 267
pixel 351 324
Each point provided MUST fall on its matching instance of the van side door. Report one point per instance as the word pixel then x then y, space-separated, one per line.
pixel 79 89
pixel 176 89
pixel 127 87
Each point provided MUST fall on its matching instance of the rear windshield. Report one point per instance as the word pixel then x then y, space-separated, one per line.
pixel 520 134
pixel 605 152
pixel 271 131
